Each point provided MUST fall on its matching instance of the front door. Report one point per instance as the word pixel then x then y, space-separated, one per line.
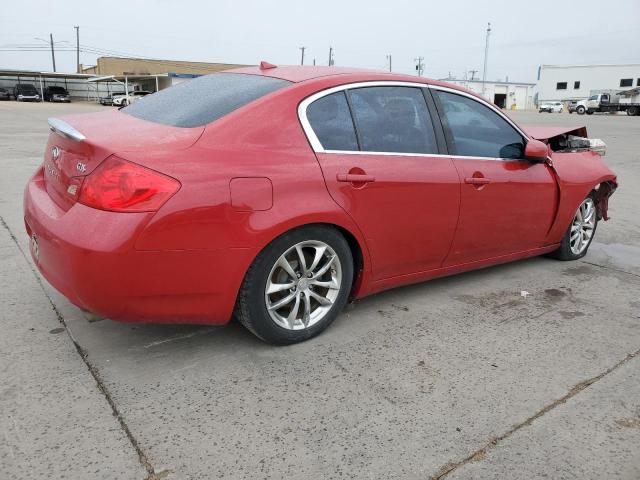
pixel 381 164
pixel 507 203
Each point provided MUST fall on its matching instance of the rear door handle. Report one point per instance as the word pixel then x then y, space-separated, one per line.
pixel 355 178
pixel 477 180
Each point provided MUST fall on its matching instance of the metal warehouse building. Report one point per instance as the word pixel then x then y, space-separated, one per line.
pixel 509 95
pixel 577 82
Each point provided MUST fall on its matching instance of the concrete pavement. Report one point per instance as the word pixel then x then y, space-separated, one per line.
pixel 460 377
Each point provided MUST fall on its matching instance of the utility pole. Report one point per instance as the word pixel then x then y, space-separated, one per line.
pixel 330 56
pixel 486 54
pixel 419 65
pixel 53 55
pixel 302 49
pixel 473 74
pixel 389 58
pixel 78 49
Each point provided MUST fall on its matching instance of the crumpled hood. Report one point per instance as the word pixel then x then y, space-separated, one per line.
pixel 545 133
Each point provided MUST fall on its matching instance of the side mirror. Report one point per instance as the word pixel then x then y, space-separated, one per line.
pixel 536 151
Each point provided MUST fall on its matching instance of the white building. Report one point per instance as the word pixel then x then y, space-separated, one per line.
pixel 509 95
pixel 577 82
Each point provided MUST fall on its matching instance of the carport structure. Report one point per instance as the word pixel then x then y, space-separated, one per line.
pixel 72 82
pixel 148 81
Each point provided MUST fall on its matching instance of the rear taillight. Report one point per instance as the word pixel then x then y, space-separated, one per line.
pixel 121 186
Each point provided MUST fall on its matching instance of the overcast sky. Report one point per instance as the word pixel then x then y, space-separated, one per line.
pixel 450 35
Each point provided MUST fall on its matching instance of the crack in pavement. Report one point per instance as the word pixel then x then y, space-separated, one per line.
pixel 480 454
pixel 144 460
pixel 606 267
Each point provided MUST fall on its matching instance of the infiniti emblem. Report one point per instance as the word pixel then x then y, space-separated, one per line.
pixel 55 153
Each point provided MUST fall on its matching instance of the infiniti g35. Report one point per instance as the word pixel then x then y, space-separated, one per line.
pixel 276 194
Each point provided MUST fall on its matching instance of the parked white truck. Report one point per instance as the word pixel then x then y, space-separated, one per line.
pixel 611 101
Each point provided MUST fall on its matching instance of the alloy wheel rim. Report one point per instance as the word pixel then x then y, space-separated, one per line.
pixel 582 227
pixel 303 285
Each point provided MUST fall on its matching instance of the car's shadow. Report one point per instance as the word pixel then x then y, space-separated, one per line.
pixel 358 318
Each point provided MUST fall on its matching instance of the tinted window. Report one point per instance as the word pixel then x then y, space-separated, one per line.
pixel 477 130
pixel 392 119
pixel 626 82
pixel 57 90
pixel 561 86
pixel 576 85
pixel 331 121
pixel 203 99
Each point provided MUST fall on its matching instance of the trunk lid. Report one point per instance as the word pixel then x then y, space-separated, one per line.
pixel 78 144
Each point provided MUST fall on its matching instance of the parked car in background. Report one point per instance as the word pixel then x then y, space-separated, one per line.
pixel 275 194
pixel 25 92
pixel 551 107
pixel 108 100
pixel 572 106
pixel 121 100
pixel 56 94
pixel 5 94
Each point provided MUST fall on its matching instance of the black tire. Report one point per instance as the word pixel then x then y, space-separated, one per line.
pixel 564 252
pixel 633 111
pixel 251 308
pixel 589 112
pixel 580 110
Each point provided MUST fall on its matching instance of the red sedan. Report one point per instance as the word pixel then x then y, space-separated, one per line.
pixel 275 194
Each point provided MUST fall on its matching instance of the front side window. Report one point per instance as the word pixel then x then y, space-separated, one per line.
pixel 393 120
pixel 561 86
pixel 331 121
pixel 476 130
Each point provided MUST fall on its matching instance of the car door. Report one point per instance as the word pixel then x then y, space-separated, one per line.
pixel 381 162
pixel 507 203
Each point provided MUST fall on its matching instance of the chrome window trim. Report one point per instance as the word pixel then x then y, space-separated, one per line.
pixel 403 154
pixel 318 148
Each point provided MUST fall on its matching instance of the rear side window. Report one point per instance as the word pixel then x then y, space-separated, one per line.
pixel 204 99
pixel 331 121
pixel 393 120
pixel 478 131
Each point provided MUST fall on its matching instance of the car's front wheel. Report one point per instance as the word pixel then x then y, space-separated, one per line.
pixel 580 110
pixel 297 285
pixel 579 235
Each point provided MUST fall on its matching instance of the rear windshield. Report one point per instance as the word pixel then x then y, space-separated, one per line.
pixel 196 102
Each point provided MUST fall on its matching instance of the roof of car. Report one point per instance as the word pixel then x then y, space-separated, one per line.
pixel 298 73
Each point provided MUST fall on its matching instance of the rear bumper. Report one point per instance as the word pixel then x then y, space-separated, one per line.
pixel 88 255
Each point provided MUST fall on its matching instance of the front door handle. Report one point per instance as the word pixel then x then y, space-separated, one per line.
pixel 477 180
pixel 355 178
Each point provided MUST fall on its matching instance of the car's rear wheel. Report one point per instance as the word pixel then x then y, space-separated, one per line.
pixel 633 111
pixel 297 285
pixel 579 235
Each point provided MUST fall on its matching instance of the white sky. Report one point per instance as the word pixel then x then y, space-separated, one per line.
pixel 449 35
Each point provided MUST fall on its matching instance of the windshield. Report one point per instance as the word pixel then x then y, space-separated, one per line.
pixel 26 88
pixel 57 90
pixel 204 99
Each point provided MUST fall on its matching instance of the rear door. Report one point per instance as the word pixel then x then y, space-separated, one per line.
pixel 381 161
pixel 507 203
